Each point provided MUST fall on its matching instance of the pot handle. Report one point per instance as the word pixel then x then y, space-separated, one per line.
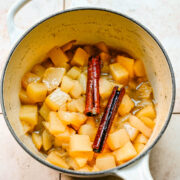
pixel 14 32
pixel 137 171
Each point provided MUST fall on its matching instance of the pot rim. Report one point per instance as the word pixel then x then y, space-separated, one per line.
pixel 109 171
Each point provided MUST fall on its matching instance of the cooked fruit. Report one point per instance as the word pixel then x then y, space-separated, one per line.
pixel 126 105
pixel 64 137
pixel 24 98
pixel 44 111
pixel 141 139
pixel 125 153
pixel 147 121
pixel 27 128
pixel 47 63
pixel 138 124
pixel 37 140
pixel 56 126
pixel 87 129
pixel 37 92
pixel 147 111
pixel 84 169
pixel 80 146
pixel 53 77
pixel 90 50
pixel 119 73
pixel 105 68
pixel 105 57
pixel 77 105
pixel 80 57
pixel 105 88
pixel 105 161
pixel 132 132
pixel 29 114
pixel 76 90
pixel 29 78
pixel 144 91
pixel 139 147
pixel 55 159
pixel 38 70
pixel 83 81
pixel 67 84
pixel 47 140
pixel 127 63
pixel 74 72
pixel 102 46
pixel 117 139
pixel 73 118
pixel 58 57
pixel 68 45
pixel 139 68
pixel 56 99
pixel 81 161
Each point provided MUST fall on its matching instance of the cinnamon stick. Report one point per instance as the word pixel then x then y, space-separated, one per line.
pixel 107 119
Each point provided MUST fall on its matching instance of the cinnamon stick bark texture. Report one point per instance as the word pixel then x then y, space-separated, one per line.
pixel 92 90
pixel 107 119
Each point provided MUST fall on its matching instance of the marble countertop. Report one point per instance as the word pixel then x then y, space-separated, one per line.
pixel 162 18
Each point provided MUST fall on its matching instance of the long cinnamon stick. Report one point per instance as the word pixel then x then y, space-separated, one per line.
pixel 89 90
pixel 108 116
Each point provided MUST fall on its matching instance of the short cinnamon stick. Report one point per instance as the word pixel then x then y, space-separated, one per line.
pixel 107 119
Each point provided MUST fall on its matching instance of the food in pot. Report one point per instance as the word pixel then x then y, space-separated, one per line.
pixel 87 107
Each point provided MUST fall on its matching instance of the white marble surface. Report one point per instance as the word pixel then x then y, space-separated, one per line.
pixel 162 18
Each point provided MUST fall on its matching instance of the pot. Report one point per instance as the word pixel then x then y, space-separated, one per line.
pixel 88 25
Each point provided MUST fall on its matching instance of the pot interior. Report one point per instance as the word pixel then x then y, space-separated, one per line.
pixel 87 26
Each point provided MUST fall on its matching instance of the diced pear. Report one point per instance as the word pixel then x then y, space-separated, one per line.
pixel 44 111
pixel 29 114
pixel 67 84
pixel 102 46
pixel 53 77
pixel 125 153
pixel 105 68
pixel 84 169
pixel 119 73
pixel 47 63
pixel 74 72
pixel 68 45
pixel 72 164
pixel 29 78
pixel 38 70
pixel 73 118
pixel 90 50
pixel 47 140
pixel 87 129
pixel 37 92
pixel 55 159
pixel 139 68
pixel 76 90
pixel 105 57
pixel 80 57
pixel 83 81
pixel 144 102
pixel 132 132
pixel 139 147
pixel 141 139
pixel 64 137
pixel 91 121
pixel 58 57
pixel 147 121
pixel 27 128
pixel 105 161
pixel 37 140
pixel 63 107
pixel 55 124
pixel 56 99
pixel 24 98
pixel 126 105
pixel 80 146
pixel 127 63
pixel 77 105
pixel 147 111
pixel 81 161
pixel 117 139
pixel 95 169
pixel 138 124
pixel 46 125
pixel 144 91
pixel 105 88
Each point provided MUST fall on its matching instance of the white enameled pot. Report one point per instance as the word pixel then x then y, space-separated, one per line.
pixel 87 25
